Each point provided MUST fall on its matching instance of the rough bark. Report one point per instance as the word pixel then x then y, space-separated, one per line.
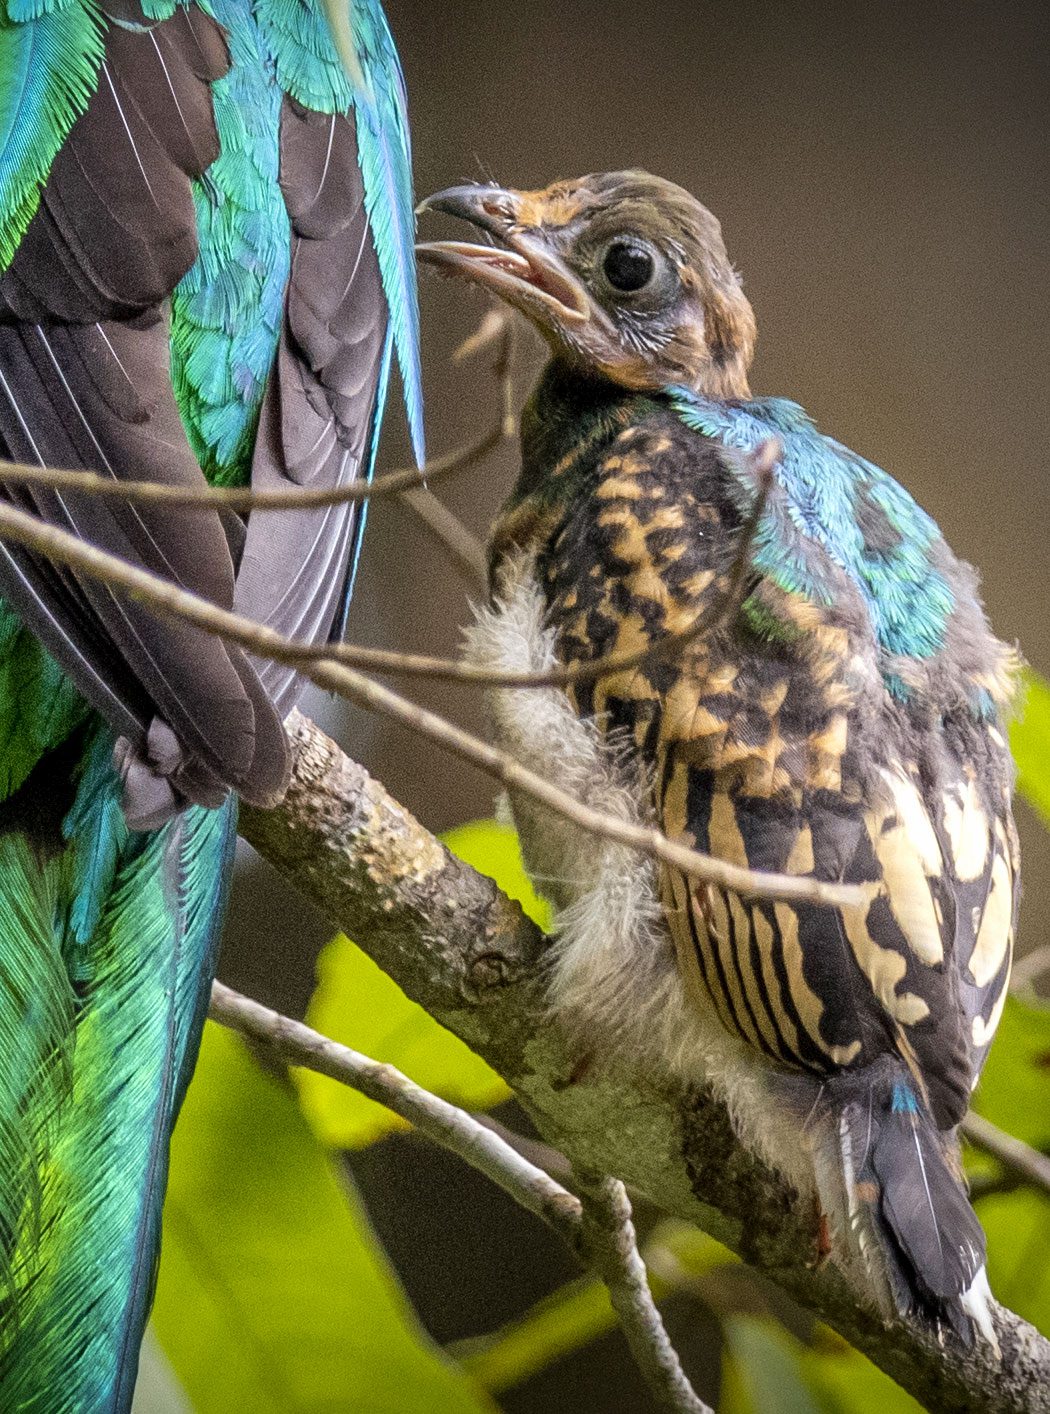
pixel 456 945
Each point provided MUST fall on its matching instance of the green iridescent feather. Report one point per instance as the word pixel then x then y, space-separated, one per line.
pixel 142 955
pixel 49 61
pixel 107 940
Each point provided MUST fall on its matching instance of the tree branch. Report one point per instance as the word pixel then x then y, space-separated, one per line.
pixel 1026 1164
pixel 599 1230
pixel 441 1122
pixel 612 1245
pixel 471 958
pixel 167 597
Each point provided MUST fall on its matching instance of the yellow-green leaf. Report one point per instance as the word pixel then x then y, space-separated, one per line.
pixel 357 1004
pixel 274 1295
pixel 580 1311
pixel 1014 1092
pixel 845 1382
pixel 1030 743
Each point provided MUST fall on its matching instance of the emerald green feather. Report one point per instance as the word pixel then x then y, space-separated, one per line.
pixel 226 312
pixel 90 1241
pixel 49 61
pixel 36 1009
pixel 39 707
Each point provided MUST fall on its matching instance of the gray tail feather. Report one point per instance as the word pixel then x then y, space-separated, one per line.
pixel 908 1221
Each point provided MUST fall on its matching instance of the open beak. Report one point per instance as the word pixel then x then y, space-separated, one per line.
pixel 520 266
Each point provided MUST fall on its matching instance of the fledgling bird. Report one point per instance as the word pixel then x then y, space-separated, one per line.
pixel 206 267
pixel 843 722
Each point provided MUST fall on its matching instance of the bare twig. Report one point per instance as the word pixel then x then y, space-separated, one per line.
pixel 445 1124
pixel 1028 1165
pixel 600 1231
pixel 535 1150
pixel 613 1249
pixel 64 548
pixel 244 499
pixel 464 549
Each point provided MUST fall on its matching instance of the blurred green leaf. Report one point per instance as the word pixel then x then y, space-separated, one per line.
pixel 1014 1092
pixel 845 1382
pixel 580 1311
pixel 1017 1226
pixel 356 1003
pixel 274 1295
pixel 1030 743
pixel 765 1368
pixel 761 1370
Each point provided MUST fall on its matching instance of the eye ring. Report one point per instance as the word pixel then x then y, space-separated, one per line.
pixel 628 265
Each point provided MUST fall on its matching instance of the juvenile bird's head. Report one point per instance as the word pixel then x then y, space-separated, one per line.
pixel 625 276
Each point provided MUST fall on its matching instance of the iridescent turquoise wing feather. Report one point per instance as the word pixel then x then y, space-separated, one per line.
pixel 206 268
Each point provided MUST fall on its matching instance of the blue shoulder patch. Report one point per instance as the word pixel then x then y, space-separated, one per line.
pixel 865 523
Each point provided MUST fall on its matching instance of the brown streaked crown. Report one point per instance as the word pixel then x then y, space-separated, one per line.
pixel 625 275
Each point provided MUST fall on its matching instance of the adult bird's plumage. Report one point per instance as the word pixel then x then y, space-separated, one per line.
pixel 844 722
pixel 206 268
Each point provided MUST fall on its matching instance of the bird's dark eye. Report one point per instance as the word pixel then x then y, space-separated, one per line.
pixel 628 266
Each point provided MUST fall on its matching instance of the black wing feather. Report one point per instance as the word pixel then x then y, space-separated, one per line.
pixel 318 414
pixel 84 359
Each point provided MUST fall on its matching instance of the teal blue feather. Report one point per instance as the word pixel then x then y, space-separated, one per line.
pixel 309 69
pixel 226 313
pixel 819 485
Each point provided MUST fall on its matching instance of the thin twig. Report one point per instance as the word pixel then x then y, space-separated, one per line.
pixel 464 549
pixel 445 1124
pixel 599 1230
pixel 1019 1158
pixel 296 498
pixel 164 596
pixel 243 498
pixel 612 1246
pixel 551 1160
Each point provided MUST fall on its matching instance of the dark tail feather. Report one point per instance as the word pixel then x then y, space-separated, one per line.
pixel 141 950
pixel 910 1222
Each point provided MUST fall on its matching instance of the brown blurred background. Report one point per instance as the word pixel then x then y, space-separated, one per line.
pixel 882 173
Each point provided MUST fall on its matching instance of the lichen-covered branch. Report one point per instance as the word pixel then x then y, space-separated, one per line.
pixel 472 959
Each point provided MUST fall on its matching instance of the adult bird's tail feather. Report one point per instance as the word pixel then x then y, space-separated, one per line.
pixel 128 925
pixel 912 1230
